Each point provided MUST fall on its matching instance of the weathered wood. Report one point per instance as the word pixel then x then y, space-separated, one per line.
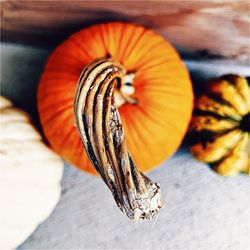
pixel 205 28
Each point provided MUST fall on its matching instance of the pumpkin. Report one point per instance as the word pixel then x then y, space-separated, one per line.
pixel 30 175
pixel 220 128
pixel 155 107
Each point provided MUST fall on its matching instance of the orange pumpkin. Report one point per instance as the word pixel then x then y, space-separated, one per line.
pixel 154 127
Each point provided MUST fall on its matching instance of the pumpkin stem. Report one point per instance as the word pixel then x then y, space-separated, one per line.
pixel 125 90
pixel 245 123
pixel 99 125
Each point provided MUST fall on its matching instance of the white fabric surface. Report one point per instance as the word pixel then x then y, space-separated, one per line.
pixel 202 209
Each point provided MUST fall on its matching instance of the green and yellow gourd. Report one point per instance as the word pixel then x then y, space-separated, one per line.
pixel 220 128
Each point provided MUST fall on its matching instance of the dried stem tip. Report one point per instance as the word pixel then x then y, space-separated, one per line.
pixel 101 84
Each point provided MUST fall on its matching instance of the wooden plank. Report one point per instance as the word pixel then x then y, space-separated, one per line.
pixel 204 28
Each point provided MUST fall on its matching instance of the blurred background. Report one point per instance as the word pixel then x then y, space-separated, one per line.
pixel 202 209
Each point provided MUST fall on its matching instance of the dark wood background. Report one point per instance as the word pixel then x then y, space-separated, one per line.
pixel 207 29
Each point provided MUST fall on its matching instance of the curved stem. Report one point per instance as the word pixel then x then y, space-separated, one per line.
pixel 99 124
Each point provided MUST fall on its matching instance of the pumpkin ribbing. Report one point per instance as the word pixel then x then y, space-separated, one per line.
pixel 220 128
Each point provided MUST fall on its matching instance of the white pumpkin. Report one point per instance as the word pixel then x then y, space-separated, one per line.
pixel 30 175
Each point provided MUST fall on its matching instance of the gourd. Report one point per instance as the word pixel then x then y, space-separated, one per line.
pixel 107 81
pixel 30 175
pixel 157 79
pixel 220 128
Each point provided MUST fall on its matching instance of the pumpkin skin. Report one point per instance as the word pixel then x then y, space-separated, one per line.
pixel 154 127
pixel 30 176
pixel 220 127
